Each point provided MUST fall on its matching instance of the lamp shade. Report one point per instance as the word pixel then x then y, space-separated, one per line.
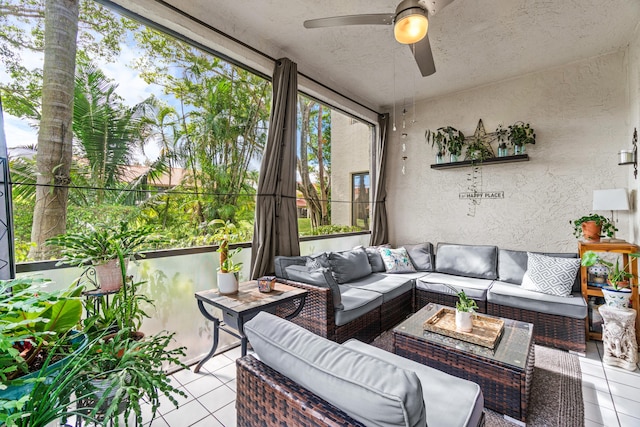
pixel 411 26
pixel 614 199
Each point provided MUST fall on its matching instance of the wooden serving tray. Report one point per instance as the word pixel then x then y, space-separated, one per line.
pixel 486 330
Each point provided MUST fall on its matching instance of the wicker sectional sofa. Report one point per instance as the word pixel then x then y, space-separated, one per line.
pixel 300 379
pixel 351 295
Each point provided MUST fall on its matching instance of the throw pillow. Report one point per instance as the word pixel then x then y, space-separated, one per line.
pixel 550 275
pixel 318 277
pixel 377 265
pixel 396 260
pixel 350 265
pixel 421 256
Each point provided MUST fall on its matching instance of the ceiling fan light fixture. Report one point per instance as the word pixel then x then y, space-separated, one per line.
pixel 411 25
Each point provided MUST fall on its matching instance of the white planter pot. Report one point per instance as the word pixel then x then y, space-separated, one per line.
pixel 617 298
pixel 227 283
pixel 464 321
pixel 110 275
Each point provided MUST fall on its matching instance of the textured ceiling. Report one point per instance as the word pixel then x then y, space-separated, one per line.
pixel 474 42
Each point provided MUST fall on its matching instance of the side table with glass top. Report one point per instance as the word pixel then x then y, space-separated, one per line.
pixel 239 308
pixel 504 373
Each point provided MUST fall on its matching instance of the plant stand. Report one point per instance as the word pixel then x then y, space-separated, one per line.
pixel 619 338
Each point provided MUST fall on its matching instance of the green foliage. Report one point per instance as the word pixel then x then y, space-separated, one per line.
pixel 447 139
pixel 521 133
pixel 330 229
pixel 607 226
pixel 465 303
pixel 616 274
pixel 32 321
pixel 225 232
pixel 102 243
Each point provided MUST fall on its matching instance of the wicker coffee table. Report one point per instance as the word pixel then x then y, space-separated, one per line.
pixel 504 374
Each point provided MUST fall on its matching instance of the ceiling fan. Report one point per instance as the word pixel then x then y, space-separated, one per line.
pixel 410 23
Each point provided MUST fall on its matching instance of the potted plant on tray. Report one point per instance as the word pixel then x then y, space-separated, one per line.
pixel 618 293
pixel 97 247
pixel 465 309
pixel 592 226
pixel 228 269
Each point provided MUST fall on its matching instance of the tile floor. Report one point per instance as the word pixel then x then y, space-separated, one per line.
pixel 611 395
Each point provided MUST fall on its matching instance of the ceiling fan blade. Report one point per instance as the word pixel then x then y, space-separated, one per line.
pixel 422 53
pixel 371 19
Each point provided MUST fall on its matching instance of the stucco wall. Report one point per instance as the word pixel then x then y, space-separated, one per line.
pixel 350 153
pixel 634 122
pixel 580 114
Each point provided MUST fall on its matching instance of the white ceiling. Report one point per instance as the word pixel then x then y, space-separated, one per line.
pixel 474 42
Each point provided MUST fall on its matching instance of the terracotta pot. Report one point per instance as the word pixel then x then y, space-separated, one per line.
pixel 135 335
pixel 591 231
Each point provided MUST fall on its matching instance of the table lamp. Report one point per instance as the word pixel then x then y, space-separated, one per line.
pixel 614 199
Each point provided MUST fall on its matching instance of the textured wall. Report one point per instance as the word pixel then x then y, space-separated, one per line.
pixel 580 114
pixel 634 120
pixel 350 153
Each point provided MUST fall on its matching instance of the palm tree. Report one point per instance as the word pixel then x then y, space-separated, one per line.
pixel 55 136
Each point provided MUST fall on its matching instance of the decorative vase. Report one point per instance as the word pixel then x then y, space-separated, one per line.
pixel 464 321
pixel 266 284
pixel 503 151
pixel 519 149
pixel 439 159
pixel 617 298
pixel 227 283
pixel 110 275
pixel 591 231
pixel 453 158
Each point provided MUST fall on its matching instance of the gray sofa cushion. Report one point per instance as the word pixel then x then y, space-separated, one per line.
pixel 282 262
pixel 511 295
pixel 355 303
pixel 413 276
pixel 513 264
pixel 389 286
pixel 315 276
pixel 477 261
pixel 370 390
pixel 421 256
pixel 375 259
pixel 437 390
pixel 349 265
pixel 473 288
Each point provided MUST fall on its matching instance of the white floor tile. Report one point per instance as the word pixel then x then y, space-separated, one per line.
pixel 226 374
pixel 233 385
pixel 234 353
pixel 188 414
pixel 627 406
pixel 600 398
pixel 217 362
pixel 167 406
pixel 623 377
pixel 594 382
pixel 589 423
pixel 185 376
pixel 157 422
pixel 209 421
pixel 600 415
pixel 623 390
pixel 628 421
pixel 595 370
pixel 227 415
pixel 217 398
pixel 204 385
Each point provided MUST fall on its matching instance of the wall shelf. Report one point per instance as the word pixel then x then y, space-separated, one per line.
pixel 491 161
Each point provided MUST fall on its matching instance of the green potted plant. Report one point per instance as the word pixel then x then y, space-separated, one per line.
pixel 97 247
pixel 520 134
pixel 437 139
pixel 465 308
pixel 228 270
pixel 447 138
pixel 618 293
pixel 35 325
pixel 592 226
pixel 477 150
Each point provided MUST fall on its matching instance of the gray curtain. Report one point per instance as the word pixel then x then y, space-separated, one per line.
pixel 380 231
pixel 276 222
pixel 7 258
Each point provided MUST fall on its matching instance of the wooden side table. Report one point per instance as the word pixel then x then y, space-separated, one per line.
pixel 239 308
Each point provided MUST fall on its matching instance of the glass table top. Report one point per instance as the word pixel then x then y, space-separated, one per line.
pixel 512 348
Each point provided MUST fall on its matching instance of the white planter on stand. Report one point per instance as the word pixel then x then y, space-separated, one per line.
pixel 464 321
pixel 110 275
pixel 227 283
pixel 617 298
